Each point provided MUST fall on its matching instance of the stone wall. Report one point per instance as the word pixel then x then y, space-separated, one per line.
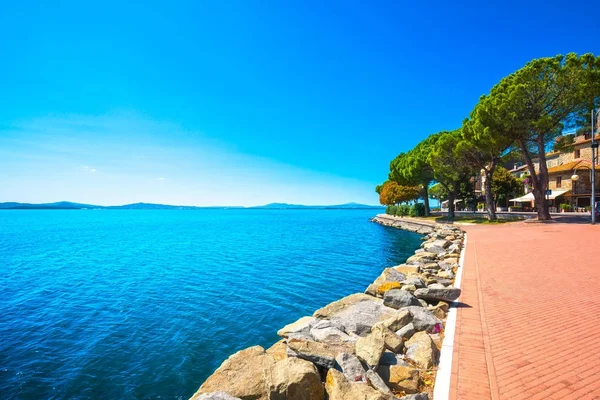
pixel 405 223
pixel 383 344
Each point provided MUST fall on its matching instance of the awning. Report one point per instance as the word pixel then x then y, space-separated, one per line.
pixel 446 202
pixel 551 196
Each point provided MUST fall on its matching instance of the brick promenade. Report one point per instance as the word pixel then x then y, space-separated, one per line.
pixel 530 324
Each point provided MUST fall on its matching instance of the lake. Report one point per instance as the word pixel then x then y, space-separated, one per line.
pixel 147 304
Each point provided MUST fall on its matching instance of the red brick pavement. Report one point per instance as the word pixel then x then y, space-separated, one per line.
pixel 530 324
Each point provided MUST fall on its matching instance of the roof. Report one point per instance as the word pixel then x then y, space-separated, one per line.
pixel 570 166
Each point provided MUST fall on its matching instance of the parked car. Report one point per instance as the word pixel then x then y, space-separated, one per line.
pixel 597 209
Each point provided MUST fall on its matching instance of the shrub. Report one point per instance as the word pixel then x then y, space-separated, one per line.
pixel 566 207
pixel 403 210
pixel 417 210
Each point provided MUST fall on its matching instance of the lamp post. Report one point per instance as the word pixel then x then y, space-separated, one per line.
pixel 594 146
pixel 575 177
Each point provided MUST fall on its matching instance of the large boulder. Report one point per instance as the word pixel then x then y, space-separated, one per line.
pixel 241 375
pixel 404 379
pixel 358 318
pixel 415 281
pixel 422 351
pixel 332 309
pixel 407 269
pixel 370 348
pixel 300 326
pixel 397 298
pixel 351 367
pixel 216 396
pixel 339 388
pixel 295 379
pixel 447 294
pixel 278 351
pixel 398 320
pixel 385 281
pixel 321 354
pixel 423 319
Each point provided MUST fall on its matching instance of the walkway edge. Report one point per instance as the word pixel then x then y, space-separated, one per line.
pixel 441 390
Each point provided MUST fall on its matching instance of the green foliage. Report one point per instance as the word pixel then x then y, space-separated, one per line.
pixel 505 185
pixel 401 210
pixel 417 210
pixel 522 116
pixel 566 207
pixel 438 192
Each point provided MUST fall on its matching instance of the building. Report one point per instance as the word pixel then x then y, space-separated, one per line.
pixel 562 166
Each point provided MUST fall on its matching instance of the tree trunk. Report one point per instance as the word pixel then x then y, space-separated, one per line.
pixel 426 199
pixel 489 196
pixel 451 198
pixel 539 180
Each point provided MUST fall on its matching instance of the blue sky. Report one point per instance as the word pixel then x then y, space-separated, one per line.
pixel 248 102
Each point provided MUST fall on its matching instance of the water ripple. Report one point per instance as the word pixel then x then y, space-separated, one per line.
pixel 146 304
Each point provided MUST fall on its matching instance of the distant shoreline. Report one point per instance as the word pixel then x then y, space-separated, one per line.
pixel 21 208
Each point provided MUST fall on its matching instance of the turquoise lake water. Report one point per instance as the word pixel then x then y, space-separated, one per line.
pixel 126 304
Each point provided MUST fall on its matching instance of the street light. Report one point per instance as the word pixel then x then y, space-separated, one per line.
pixel 575 177
pixel 594 147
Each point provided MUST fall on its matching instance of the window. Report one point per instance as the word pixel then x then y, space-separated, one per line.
pixel 577 154
pixel 558 181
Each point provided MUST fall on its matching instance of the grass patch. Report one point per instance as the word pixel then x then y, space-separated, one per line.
pixel 472 220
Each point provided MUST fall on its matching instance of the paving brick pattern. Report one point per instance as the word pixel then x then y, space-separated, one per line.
pixel 529 327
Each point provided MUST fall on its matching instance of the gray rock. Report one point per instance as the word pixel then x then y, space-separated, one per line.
pixel 407 331
pixel 216 396
pixel 423 303
pixel 416 281
pixel 444 282
pixel 300 326
pixel 418 396
pixel 436 286
pixel 369 349
pixel 388 275
pixel 433 248
pixel 422 258
pixel 446 274
pixel 320 354
pixel 422 351
pixel 423 319
pixel 350 366
pixel 397 298
pixel 447 294
pixel 375 380
pixel 330 335
pixel 359 318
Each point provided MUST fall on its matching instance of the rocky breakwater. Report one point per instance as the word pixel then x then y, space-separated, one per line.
pixel 383 344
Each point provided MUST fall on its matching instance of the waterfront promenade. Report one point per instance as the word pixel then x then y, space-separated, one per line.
pixel 529 319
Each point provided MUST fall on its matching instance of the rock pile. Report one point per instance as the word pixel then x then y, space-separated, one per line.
pixel 383 344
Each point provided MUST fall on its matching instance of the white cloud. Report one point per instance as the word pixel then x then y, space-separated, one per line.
pixel 160 179
pixel 87 168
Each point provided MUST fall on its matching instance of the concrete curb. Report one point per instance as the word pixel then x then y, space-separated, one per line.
pixel 441 389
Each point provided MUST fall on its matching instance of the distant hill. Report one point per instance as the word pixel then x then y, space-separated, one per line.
pixel 61 205
pixel 66 205
pixel 284 206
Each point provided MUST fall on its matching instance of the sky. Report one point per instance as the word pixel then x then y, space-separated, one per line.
pixel 249 102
